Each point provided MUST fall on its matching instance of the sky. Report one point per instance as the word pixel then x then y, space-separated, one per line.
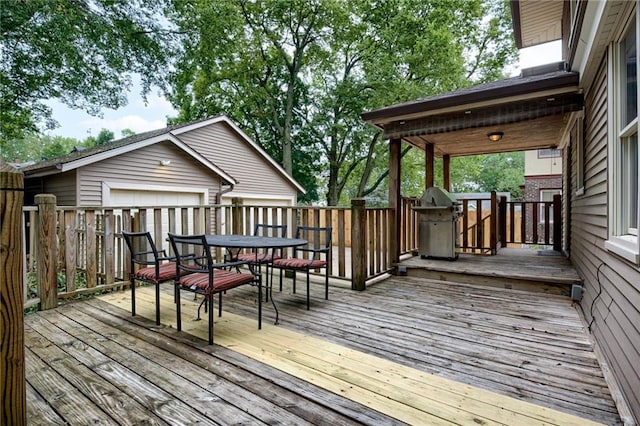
pixel 140 116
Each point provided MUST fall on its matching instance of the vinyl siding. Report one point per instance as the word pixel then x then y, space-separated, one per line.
pixel 63 186
pixel 611 302
pixel 224 147
pixel 142 167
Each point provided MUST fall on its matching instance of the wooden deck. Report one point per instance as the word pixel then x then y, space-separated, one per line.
pixel 407 350
pixel 513 268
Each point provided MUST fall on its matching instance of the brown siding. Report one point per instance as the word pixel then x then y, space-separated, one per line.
pixel 611 302
pixel 142 167
pixel 225 148
pixel 63 186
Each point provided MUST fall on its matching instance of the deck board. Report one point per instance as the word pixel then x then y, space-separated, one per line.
pixel 407 350
pixel 517 268
pixel 386 386
pixel 561 372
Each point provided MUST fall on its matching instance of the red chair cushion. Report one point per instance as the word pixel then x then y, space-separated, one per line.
pixel 167 272
pixel 222 280
pixel 296 263
pixel 261 258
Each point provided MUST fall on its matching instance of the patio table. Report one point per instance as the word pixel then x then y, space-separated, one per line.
pixel 233 243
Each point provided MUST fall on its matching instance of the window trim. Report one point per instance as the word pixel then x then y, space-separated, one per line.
pixel 549 153
pixel 620 242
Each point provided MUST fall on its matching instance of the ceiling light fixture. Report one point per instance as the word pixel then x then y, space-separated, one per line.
pixel 495 136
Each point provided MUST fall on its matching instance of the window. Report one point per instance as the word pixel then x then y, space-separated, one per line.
pixel 623 147
pixel 549 153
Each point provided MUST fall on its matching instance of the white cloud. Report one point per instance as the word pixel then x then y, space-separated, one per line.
pixel 136 115
pixel 136 123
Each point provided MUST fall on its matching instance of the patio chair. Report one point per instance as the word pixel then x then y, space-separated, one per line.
pixel 198 273
pixel 267 256
pixel 311 256
pixel 148 265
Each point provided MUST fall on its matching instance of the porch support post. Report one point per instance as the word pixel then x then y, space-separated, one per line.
pixel 557 222
pixel 446 171
pixel 13 388
pixel 493 224
pixel 503 221
pixel 47 251
pixel 395 201
pixel 358 244
pixel 428 165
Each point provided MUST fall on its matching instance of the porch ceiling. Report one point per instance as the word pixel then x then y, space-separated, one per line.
pixel 536 22
pixel 531 111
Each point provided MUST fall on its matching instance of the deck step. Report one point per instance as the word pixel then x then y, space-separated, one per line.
pixel 521 269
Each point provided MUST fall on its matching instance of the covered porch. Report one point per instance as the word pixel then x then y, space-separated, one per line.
pixel 408 350
pixel 528 112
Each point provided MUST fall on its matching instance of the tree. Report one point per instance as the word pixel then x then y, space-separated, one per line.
pixel 430 49
pixel 249 60
pixel 297 74
pixel 103 137
pixel 36 147
pixel 82 52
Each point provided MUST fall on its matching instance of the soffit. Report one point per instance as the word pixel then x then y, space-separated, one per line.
pixel 531 111
pixel 536 21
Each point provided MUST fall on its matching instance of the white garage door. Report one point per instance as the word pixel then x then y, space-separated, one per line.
pixel 127 197
pixel 273 203
pixel 151 199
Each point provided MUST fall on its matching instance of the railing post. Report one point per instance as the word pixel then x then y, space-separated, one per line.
pixel 237 215
pixel 47 273
pixel 493 223
pixel 557 222
pixel 503 221
pixel 358 244
pixel 13 395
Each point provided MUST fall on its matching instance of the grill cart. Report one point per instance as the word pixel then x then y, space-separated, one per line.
pixel 438 228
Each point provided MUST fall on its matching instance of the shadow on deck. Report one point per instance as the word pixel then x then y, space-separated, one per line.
pixel 406 350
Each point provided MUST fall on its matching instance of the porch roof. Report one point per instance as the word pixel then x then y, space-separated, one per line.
pixel 529 109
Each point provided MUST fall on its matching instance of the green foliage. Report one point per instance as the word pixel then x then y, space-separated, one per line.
pixel 81 52
pixel 35 147
pixel 103 137
pixel 483 173
pixel 297 74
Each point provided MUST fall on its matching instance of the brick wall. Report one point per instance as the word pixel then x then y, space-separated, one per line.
pixel 533 185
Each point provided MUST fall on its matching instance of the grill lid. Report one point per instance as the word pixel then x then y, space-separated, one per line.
pixel 437 197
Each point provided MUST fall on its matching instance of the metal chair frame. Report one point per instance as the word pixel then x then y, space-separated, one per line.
pixel 155 269
pixel 198 273
pixel 313 249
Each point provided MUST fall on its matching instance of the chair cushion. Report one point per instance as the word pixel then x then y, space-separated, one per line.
pixel 261 258
pixel 296 263
pixel 167 272
pixel 222 280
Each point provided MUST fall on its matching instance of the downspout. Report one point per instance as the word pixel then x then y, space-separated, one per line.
pixel 224 191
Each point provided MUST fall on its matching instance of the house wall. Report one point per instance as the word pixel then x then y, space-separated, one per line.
pixel 63 186
pixel 142 167
pixel 534 165
pixel 611 302
pixel 256 177
pixel 533 185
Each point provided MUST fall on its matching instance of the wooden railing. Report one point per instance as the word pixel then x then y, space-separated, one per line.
pixel 487 224
pixel 77 250
pixel 90 254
